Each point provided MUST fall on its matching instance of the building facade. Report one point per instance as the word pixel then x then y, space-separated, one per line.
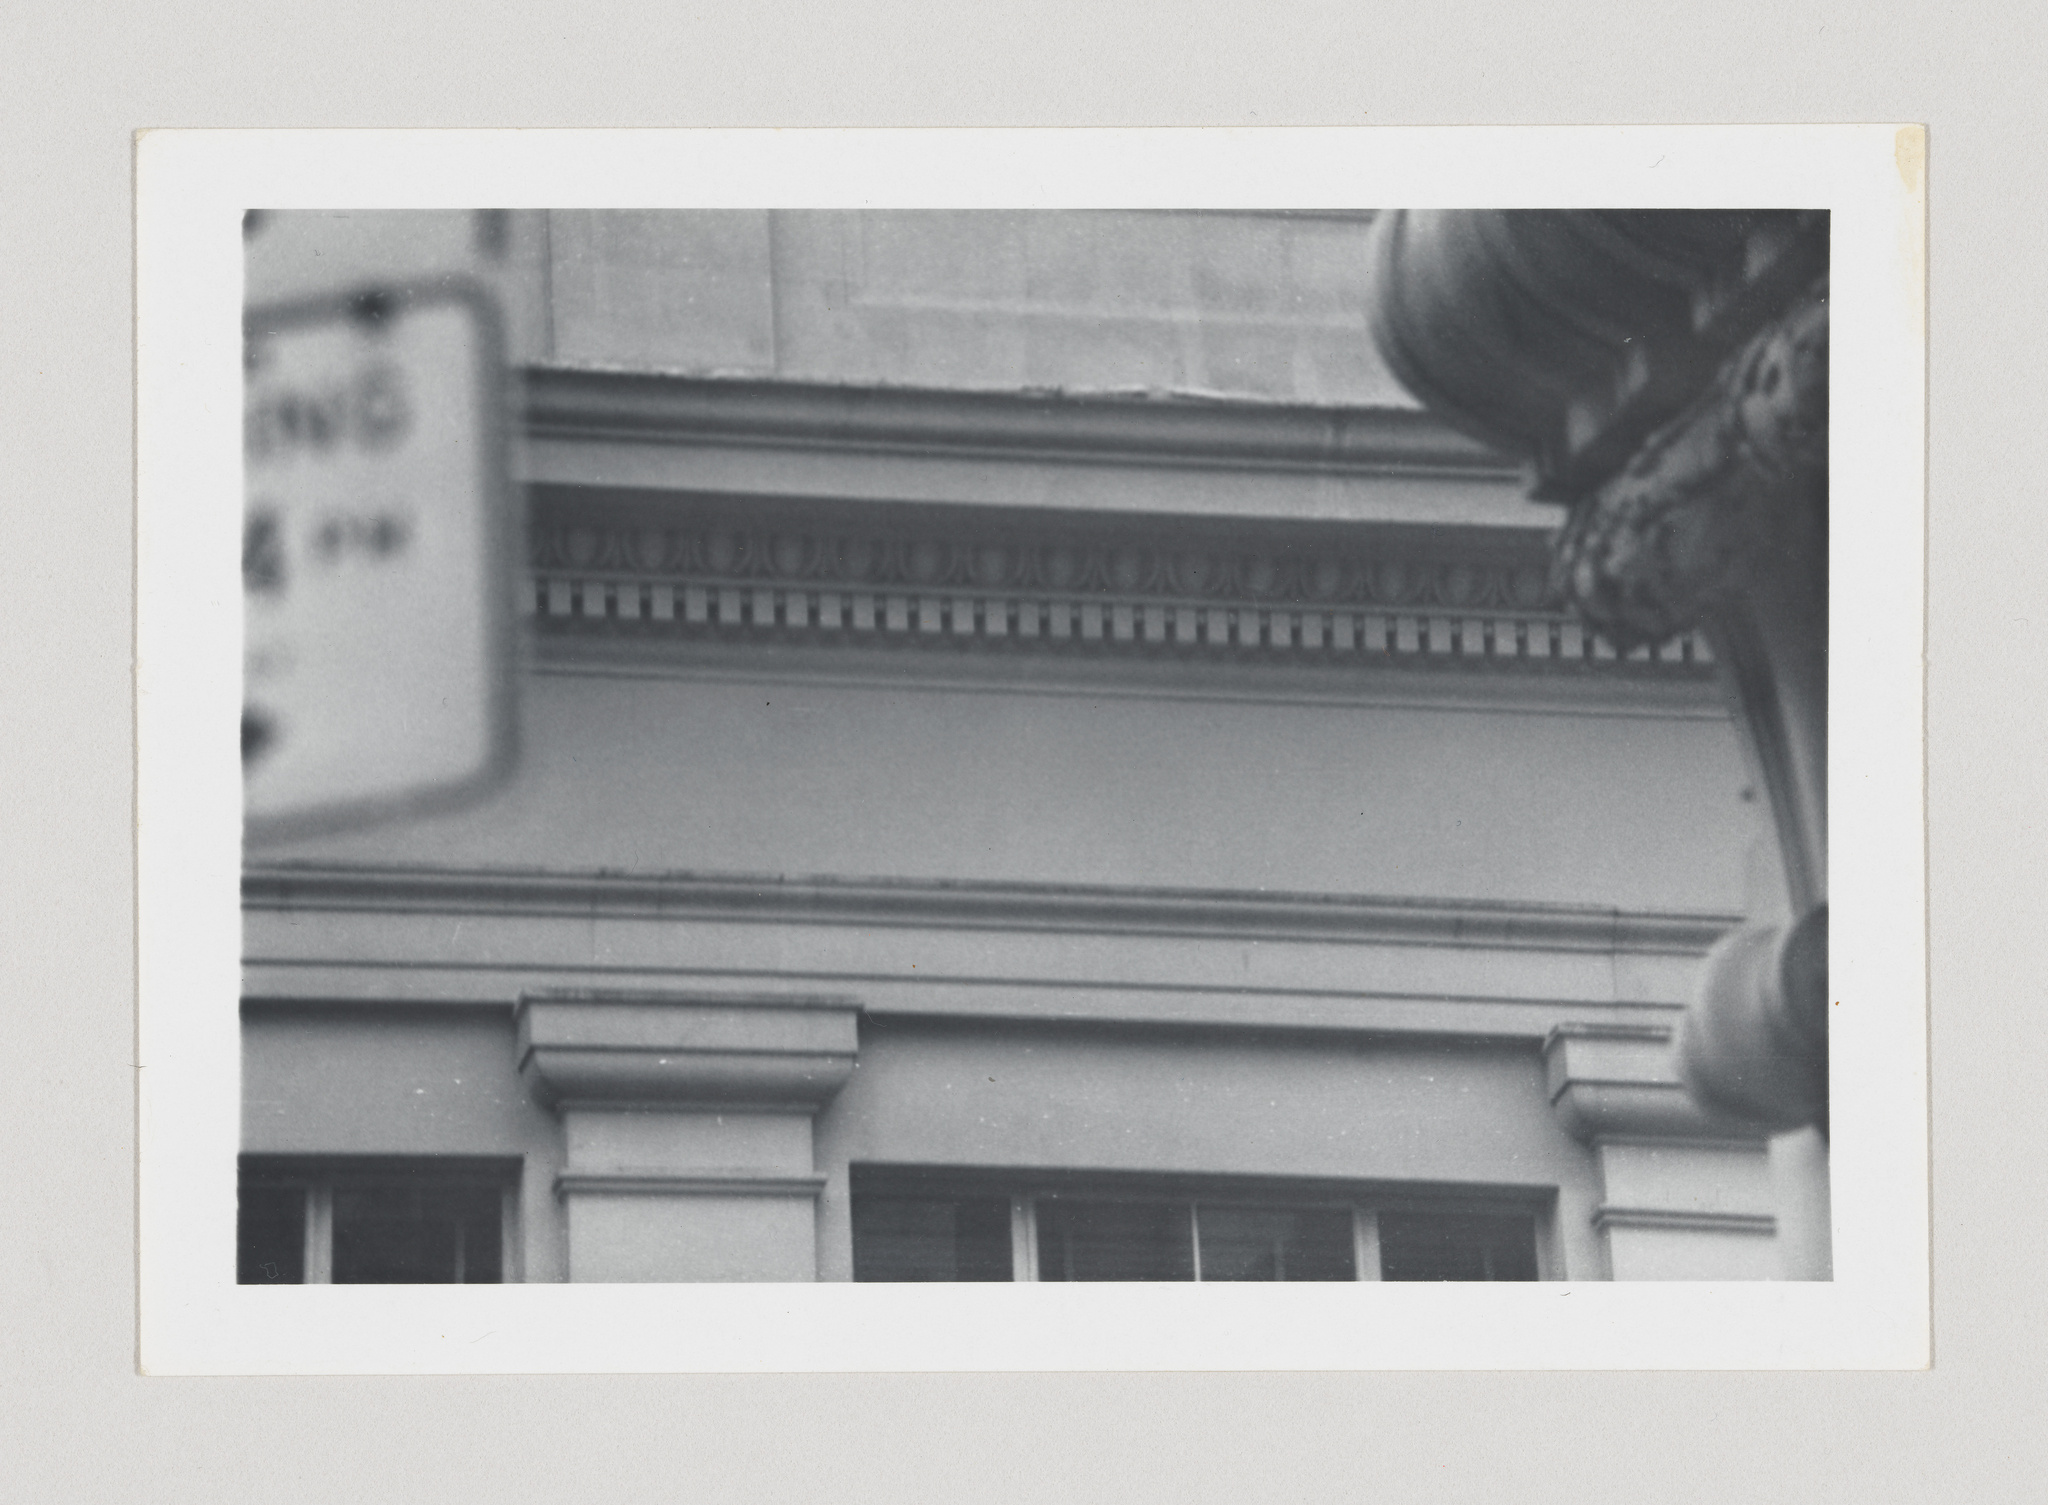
pixel 1037 760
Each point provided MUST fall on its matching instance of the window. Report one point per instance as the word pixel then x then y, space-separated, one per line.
pixel 1440 1246
pixel 928 1238
pixel 373 1222
pixel 919 1225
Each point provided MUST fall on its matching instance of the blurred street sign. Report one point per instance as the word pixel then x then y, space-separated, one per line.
pixel 377 563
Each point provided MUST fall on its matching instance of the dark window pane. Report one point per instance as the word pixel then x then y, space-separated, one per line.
pixel 1276 1243
pixel 270 1235
pixel 483 1262
pixel 436 1234
pixel 931 1238
pixel 1445 1246
pixel 1115 1241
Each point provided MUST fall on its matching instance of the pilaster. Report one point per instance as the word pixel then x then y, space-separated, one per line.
pixel 1685 1195
pixel 687 1124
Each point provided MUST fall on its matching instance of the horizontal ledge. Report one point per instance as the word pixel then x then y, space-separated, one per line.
pixel 795 1075
pixel 633 1107
pixel 919 666
pixel 1067 908
pixel 695 998
pixel 681 1054
pixel 1755 1223
pixel 494 988
pixel 665 1184
pixel 1651 1034
pixel 283 990
pixel 568 403
pixel 1623 1083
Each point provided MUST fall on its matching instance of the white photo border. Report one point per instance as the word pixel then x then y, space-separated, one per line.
pixel 192 188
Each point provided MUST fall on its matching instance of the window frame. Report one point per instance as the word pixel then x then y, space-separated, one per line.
pixel 320 1176
pixel 1366 1201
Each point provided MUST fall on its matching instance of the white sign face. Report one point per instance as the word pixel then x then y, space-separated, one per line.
pixel 375 563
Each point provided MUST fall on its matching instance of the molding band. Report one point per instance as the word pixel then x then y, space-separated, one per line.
pixel 1174 431
pixel 1684 1220
pixel 1062 908
pixel 695 1184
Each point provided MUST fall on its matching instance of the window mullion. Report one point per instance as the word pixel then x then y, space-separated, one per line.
pixel 320 1233
pixel 511 1243
pixel 1195 1235
pixel 1023 1239
pixel 1365 1243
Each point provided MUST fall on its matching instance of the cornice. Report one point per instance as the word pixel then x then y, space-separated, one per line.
pixel 1180 432
pixel 1053 908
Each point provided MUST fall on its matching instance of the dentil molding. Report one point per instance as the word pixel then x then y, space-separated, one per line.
pixel 684 567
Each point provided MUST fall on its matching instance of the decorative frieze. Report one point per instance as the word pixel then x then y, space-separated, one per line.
pixel 950 582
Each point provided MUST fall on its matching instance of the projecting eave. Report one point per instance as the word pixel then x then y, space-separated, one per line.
pixel 675 509
pixel 1098 452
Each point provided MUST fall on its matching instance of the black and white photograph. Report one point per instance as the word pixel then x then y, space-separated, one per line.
pixel 908 745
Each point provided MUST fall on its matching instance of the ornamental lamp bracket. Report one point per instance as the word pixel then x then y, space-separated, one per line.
pixel 1664 373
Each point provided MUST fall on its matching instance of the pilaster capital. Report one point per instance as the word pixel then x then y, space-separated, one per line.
pixel 1620 1081
pixel 617 1049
